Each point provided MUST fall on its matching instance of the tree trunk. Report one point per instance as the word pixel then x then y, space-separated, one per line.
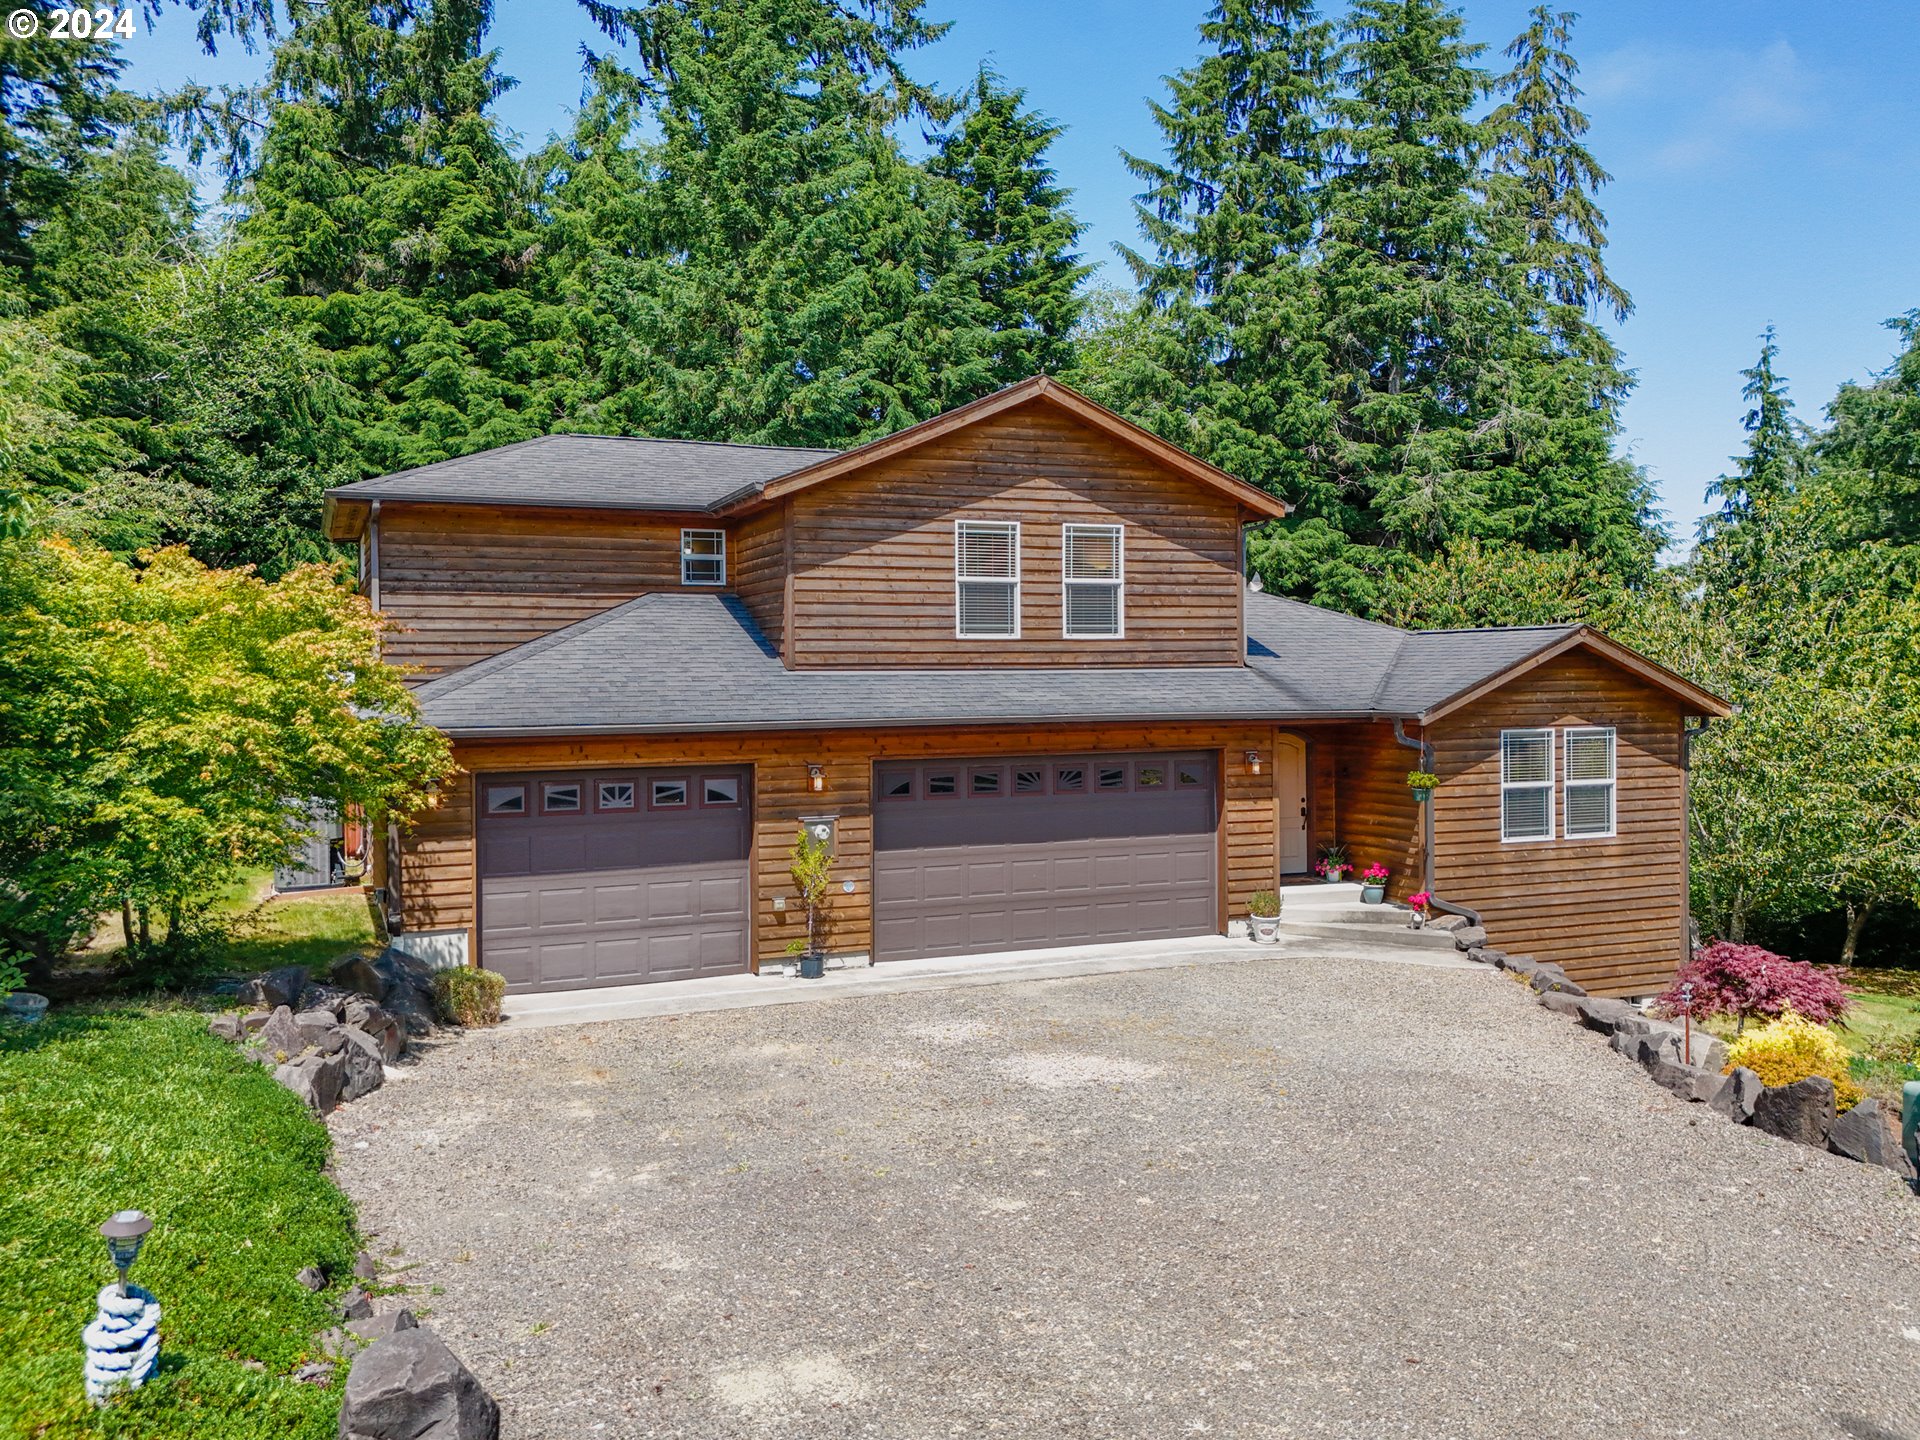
pixel 1857 914
pixel 126 922
pixel 146 928
pixel 1737 918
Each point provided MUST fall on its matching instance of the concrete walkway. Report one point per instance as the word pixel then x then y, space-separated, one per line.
pixel 735 992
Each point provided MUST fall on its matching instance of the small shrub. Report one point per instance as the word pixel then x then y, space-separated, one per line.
pixel 1793 1048
pixel 1744 981
pixel 12 976
pixel 1263 902
pixel 467 995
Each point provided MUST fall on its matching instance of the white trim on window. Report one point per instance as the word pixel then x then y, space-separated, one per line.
pixel 703 557
pixel 1526 786
pixel 986 579
pixel 1100 582
pixel 1590 779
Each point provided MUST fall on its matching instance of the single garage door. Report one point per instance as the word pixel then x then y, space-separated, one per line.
pixel 974 856
pixel 613 877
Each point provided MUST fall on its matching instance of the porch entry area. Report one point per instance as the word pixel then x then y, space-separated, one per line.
pixel 977 856
pixel 613 877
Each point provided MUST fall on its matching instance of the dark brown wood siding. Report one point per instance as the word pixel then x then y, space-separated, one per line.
pixel 757 569
pixel 437 857
pixel 1377 818
pixel 1614 911
pixel 468 581
pixel 873 553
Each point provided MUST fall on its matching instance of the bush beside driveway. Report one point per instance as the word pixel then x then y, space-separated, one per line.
pixel 1290 1197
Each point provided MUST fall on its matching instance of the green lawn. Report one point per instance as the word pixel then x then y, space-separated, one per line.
pixel 120 1109
pixel 291 930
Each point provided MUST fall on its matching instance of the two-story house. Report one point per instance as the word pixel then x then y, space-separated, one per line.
pixel 1010 656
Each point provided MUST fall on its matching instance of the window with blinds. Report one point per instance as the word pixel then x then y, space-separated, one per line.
pixel 1092 563
pixel 703 557
pixel 1526 784
pixel 1587 794
pixel 986 567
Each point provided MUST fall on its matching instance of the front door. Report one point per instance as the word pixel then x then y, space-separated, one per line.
pixel 1290 785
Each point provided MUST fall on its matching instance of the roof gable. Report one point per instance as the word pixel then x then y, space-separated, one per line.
pixel 1040 390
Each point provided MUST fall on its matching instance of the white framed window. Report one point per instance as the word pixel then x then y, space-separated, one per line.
pixel 1526 785
pixel 1092 565
pixel 703 557
pixel 1588 788
pixel 986 577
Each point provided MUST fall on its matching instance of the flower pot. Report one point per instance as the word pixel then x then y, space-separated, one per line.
pixel 26 1007
pixel 1333 877
pixel 812 967
pixel 1372 894
pixel 1422 796
pixel 1265 929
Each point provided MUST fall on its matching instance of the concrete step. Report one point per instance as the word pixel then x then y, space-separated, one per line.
pixel 1391 916
pixel 1397 936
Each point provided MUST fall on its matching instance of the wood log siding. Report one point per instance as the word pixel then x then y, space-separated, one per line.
pixel 1378 819
pixel 468 581
pixel 437 884
pixel 1613 911
pixel 873 559
pixel 757 570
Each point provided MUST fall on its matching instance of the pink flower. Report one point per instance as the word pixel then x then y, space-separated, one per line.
pixel 1375 875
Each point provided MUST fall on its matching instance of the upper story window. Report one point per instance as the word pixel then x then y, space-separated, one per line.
pixel 986 568
pixel 703 557
pixel 1587 800
pixel 1092 561
pixel 1526 784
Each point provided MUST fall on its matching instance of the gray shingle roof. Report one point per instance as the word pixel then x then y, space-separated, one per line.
pixel 671 661
pixel 594 471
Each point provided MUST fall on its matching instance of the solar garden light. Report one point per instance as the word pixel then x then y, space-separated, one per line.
pixel 123 1342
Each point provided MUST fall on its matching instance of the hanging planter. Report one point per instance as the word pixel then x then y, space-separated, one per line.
pixel 1422 783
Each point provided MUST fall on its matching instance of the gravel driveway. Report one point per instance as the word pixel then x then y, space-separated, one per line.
pixel 1283 1198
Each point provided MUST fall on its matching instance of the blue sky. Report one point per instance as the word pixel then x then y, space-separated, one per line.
pixel 1765 154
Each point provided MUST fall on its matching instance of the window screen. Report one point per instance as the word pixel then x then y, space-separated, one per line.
pixel 703 557
pixel 1589 782
pixel 1526 784
pixel 986 559
pixel 1092 565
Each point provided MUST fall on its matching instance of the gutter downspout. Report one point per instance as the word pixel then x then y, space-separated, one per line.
pixel 1445 907
pixel 373 555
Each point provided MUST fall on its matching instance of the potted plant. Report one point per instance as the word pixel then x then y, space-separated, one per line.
pixel 1334 865
pixel 1422 783
pixel 811 866
pixel 1263 917
pixel 1417 903
pixel 1373 884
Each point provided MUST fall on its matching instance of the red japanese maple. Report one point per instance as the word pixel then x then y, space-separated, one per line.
pixel 1747 980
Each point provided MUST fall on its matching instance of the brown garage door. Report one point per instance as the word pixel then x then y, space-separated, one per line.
pixel 613 877
pixel 973 856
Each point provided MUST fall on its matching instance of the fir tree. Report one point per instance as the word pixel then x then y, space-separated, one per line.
pixel 1236 370
pixel 1770 472
pixel 1019 231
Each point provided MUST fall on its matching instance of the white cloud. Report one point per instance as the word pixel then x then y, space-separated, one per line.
pixel 1706 104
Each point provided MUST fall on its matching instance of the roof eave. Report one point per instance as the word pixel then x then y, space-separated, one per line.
pixel 1699 701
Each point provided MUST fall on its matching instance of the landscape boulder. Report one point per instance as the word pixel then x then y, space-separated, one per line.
pixel 410 1386
pixel 275 988
pixel 1552 977
pixel 1802 1112
pixel 313 1278
pixel 1869 1134
pixel 1519 964
pixel 1568 1005
pixel 360 1013
pixel 400 984
pixel 1448 922
pixel 227 1027
pixel 357 973
pixel 365 1066
pixel 1480 954
pixel 317 1079
pixel 279 1038
pixel 319 1029
pixel 1605 1016
pixel 1649 1048
pixel 1692 1083
pixel 356 1304
pixel 1737 1097
pixel 1468 936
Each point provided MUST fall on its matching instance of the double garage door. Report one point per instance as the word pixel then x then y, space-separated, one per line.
pixel 974 856
pixel 613 877
pixel 616 877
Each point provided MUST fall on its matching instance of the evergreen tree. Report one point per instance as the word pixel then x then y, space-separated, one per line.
pixel 1771 470
pixel 1870 455
pixel 1020 233
pixel 794 279
pixel 1236 370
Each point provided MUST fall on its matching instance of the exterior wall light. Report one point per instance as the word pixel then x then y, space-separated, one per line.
pixel 123 1342
pixel 1253 761
pixel 816 778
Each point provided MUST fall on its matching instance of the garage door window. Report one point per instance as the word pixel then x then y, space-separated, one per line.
pixel 667 795
pixel 1029 780
pixel 1188 777
pixel 896 785
pixel 986 782
pixel 1069 779
pixel 946 783
pixel 1113 777
pixel 560 799
pixel 506 799
pixel 614 795
pixel 719 790
pixel 1150 777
